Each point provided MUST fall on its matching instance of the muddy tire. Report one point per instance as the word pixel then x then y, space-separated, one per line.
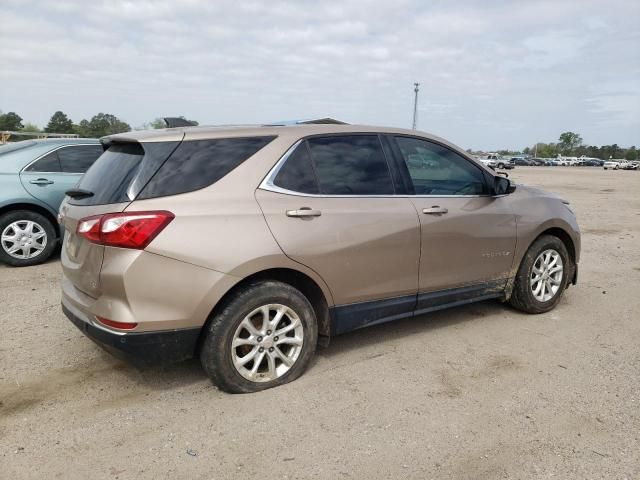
pixel 26 238
pixel 544 273
pixel 263 336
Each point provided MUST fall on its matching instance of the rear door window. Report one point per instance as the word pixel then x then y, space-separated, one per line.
pixel 350 165
pixel 48 163
pixel 297 172
pixel 78 158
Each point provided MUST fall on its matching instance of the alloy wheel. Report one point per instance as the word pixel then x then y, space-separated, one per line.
pixel 546 275
pixel 267 343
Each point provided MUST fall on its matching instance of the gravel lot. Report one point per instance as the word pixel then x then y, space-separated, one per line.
pixel 476 392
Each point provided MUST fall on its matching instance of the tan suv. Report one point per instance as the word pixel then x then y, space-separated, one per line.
pixel 247 246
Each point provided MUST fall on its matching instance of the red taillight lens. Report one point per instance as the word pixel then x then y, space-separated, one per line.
pixel 126 229
pixel 119 325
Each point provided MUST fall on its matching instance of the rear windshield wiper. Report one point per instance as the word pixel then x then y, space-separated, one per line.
pixel 78 193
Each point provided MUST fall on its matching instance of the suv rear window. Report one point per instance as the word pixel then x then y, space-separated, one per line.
pixel 127 171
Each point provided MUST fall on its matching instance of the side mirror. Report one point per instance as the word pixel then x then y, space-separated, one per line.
pixel 503 186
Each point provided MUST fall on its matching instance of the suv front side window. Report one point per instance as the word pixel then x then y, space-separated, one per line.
pixel 437 170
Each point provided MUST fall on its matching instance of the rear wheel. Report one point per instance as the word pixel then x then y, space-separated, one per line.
pixel 264 336
pixel 26 238
pixel 543 276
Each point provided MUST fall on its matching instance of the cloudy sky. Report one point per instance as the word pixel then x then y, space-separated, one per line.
pixel 493 73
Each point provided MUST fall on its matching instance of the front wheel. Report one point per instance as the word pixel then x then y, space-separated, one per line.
pixel 26 238
pixel 543 276
pixel 265 335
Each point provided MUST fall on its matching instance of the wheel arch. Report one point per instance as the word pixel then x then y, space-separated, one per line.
pixel 297 279
pixel 33 207
pixel 565 238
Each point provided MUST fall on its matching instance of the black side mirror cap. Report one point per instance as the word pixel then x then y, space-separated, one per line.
pixel 503 186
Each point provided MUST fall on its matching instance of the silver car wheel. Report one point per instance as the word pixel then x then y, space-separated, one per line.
pixel 267 343
pixel 24 239
pixel 546 275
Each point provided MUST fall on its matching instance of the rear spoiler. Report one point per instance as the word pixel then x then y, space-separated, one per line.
pixel 173 122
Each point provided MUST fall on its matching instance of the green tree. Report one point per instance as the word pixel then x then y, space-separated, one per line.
pixel 59 123
pixel 569 141
pixel 100 125
pixel 632 154
pixel 10 121
pixel 157 123
pixel 30 127
pixel 82 128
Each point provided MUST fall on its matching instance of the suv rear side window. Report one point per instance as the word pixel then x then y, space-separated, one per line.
pixel 437 170
pixel 350 165
pixel 78 158
pixel 199 163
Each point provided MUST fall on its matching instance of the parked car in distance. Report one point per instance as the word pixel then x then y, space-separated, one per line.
pixel 523 162
pixel 497 161
pixel 34 176
pixel 611 164
pixel 488 162
pixel 592 162
pixel 245 245
pixel 629 166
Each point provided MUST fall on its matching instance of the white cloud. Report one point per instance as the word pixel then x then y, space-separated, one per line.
pixel 492 74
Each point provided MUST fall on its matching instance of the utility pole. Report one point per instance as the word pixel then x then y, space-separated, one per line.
pixel 415 105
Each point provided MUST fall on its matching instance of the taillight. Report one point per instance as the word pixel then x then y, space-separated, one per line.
pixel 124 230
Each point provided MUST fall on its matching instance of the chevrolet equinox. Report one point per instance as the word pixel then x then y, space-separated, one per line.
pixel 246 246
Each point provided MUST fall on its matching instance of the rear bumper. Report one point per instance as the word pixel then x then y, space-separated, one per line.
pixel 141 348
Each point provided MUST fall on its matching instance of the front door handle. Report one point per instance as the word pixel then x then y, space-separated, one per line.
pixel 435 210
pixel 41 181
pixel 304 212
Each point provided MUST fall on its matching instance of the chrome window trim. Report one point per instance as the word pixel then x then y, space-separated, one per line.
pixel 24 169
pixel 268 185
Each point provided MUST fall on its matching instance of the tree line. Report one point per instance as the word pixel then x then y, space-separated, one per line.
pixel 570 144
pixel 98 126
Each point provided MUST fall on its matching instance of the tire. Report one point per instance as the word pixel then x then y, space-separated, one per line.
pixel 244 307
pixel 523 297
pixel 501 165
pixel 34 224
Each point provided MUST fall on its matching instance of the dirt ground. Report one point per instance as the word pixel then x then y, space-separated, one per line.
pixel 476 392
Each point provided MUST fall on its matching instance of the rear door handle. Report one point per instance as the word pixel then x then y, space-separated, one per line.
pixel 41 181
pixel 435 210
pixel 304 212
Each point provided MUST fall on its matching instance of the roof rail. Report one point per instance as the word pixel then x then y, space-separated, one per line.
pixel 315 121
